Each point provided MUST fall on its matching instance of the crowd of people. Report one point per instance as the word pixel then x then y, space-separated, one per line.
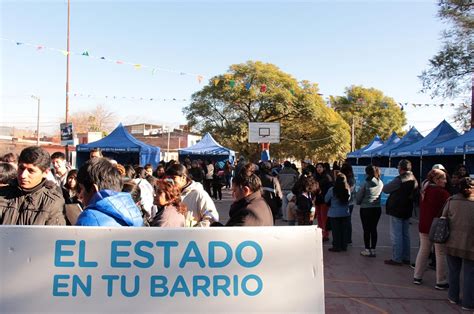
pixel 41 189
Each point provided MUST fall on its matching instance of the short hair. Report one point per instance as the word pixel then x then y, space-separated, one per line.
pixel 37 156
pixel 8 173
pixel 465 186
pixel 287 164
pixel 434 174
pixel 10 157
pixel 405 164
pixel 177 170
pixel 247 177
pixel 148 166
pixel 100 172
pixel 133 188
pixel 59 155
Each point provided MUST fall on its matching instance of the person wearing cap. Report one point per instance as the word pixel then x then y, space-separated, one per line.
pixel 399 207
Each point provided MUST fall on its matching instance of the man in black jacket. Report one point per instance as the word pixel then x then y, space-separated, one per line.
pixel 249 207
pixel 33 200
pixel 399 206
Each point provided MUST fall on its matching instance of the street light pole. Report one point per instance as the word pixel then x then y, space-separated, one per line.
pixel 37 120
pixel 67 73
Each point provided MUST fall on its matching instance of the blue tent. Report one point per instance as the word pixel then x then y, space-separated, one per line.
pixel 460 145
pixel 207 148
pixel 374 144
pixel 411 137
pixel 443 132
pixel 123 147
pixel 393 139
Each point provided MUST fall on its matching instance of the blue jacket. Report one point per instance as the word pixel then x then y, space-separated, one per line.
pixel 337 208
pixel 111 209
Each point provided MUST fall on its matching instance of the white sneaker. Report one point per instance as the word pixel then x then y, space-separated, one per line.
pixel 366 253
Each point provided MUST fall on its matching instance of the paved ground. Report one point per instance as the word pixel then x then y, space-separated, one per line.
pixel 357 284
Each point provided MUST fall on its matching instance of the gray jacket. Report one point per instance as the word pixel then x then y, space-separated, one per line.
pixel 287 177
pixel 369 193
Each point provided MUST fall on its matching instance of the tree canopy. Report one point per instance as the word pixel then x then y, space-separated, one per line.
pixel 261 92
pixel 372 113
pixel 449 72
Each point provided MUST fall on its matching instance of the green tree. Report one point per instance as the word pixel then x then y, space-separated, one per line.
pixel 372 113
pixel 261 92
pixel 449 72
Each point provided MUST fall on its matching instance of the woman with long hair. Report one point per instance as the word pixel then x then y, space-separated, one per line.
pixel 309 188
pixel 433 198
pixel 459 209
pixel 368 197
pixel 347 170
pixel 325 182
pixel 197 200
pixel 338 197
pixel 70 189
pixel 171 211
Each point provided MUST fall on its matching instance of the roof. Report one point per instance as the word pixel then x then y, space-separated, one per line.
pixel 119 140
pixel 463 144
pixel 443 132
pixel 393 139
pixel 375 143
pixel 206 146
pixel 411 137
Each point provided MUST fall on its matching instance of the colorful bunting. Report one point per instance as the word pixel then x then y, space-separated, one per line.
pixel 18 43
pixel 85 53
pixel 119 62
pixel 247 86
pixel 200 78
pixel 137 66
pixel 232 83
pixel 263 88
pixel 64 52
pixel 39 47
pixel 216 81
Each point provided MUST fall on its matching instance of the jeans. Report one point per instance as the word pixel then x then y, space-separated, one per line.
pixel 400 236
pixel 422 259
pixel 454 265
pixel 370 219
pixel 349 225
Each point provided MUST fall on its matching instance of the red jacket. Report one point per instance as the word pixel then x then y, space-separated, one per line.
pixel 431 206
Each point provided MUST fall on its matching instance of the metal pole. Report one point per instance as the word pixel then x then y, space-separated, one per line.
pixel 38 124
pixel 37 120
pixel 67 71
pixel 168 148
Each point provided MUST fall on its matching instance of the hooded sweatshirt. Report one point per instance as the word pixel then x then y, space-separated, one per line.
pixel 199 203
pixel 111 209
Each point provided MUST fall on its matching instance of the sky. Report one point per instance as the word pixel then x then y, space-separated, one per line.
pixel 380 44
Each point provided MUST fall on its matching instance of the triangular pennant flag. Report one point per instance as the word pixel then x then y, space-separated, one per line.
pixel 232 83
pixel 263 88
pixel 199 78
pixel 247 86
pixel 39 47
pixel 216 81
pixel 137 66
pixel 85 53
pixel 64 52
pixel 102 58
pixel 292 91
pixel 19 43
pixel 119 62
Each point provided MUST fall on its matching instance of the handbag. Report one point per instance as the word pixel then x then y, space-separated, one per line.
pixel 439 231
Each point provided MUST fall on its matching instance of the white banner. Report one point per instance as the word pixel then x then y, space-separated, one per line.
pixel 137 270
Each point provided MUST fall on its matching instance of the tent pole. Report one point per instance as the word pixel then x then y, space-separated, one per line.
pixel 421 166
